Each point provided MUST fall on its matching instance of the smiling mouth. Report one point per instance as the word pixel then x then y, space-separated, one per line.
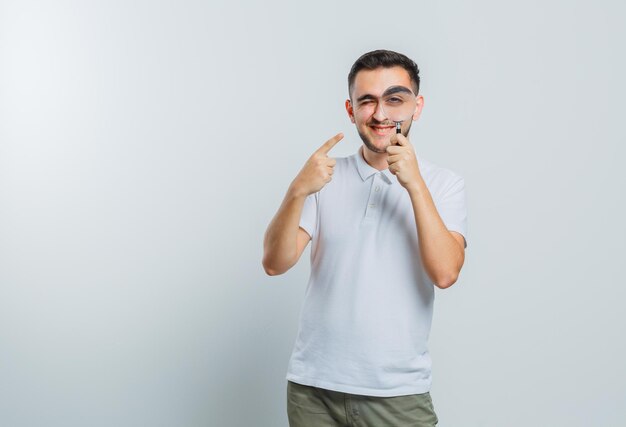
pixel 382 130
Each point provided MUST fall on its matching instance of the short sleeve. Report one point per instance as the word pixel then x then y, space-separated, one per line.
pixel 309 214
pixel 452 208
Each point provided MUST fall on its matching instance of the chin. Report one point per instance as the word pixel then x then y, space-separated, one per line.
pixel 377 145
pixel 375 149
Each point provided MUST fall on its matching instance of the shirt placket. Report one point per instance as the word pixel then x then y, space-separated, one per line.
pixel 372 211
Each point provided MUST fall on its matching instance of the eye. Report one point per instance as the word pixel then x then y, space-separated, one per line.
pixel 366 103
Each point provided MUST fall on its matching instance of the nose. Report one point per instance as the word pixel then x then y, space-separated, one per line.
pixel 379 113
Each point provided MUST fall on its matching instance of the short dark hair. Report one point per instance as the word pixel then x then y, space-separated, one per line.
pixel 385 59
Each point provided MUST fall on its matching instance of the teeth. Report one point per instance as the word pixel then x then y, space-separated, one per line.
pixel 379 129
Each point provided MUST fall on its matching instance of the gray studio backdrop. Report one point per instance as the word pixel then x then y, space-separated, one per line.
pixel 145 146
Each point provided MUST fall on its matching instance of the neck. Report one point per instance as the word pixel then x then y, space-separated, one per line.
pixel 376 160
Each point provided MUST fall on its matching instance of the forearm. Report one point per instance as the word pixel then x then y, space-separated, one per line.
pixel 441 254
pixel 280 243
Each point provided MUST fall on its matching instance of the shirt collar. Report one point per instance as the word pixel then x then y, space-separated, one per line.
pixel 366 170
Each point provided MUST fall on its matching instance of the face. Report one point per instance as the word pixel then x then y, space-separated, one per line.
pixel 370 105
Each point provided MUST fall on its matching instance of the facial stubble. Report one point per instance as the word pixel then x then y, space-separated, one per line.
pixel 375 149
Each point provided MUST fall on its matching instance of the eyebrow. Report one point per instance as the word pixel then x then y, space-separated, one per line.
pixel 364 97
pixel 390 91
pixel 397 89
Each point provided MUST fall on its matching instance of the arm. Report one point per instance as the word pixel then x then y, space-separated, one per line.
pixel 442 251
pixel 284 239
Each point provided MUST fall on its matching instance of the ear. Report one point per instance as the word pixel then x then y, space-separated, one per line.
pixel 418 107
pixel 349 110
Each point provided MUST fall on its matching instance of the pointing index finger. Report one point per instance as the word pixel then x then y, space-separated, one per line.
pixel 324 149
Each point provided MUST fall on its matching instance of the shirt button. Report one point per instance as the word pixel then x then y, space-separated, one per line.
pixel 377 188
pixel 372 205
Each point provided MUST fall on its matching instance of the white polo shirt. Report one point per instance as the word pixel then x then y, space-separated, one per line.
pixel 368 305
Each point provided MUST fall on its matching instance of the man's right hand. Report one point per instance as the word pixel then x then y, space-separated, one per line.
pixel 318 170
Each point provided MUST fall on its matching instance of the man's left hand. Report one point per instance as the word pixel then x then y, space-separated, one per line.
pixel 402 161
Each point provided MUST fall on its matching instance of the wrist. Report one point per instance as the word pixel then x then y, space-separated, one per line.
pixel 417 187
pixel 295 191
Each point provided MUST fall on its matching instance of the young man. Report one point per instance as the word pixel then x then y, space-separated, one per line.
pixel 386 227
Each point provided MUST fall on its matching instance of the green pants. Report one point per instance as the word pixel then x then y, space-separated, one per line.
pixel 316 407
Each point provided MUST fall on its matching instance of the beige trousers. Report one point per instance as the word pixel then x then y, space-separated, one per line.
pixel 316 407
